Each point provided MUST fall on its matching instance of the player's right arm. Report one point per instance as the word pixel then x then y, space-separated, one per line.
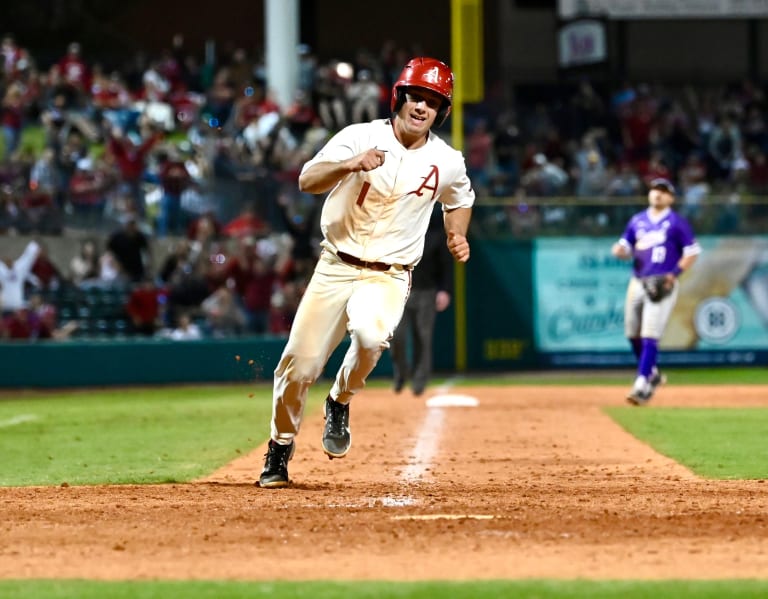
pixel 323 176
pixel 621 249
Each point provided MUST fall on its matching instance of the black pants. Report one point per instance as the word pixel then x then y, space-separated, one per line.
pixel 417 326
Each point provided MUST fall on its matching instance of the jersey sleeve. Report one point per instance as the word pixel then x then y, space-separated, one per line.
pixel 342 146
pixel 460 193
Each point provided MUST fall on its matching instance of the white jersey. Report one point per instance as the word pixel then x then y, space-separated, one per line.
pixel 382 215
pixel 12 279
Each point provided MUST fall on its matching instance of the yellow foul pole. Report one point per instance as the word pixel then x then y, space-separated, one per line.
pixel 467 65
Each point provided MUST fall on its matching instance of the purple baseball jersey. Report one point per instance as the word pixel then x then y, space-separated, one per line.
pixel 658 244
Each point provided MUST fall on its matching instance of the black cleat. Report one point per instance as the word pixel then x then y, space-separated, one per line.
pixel 337 437
pixel 275 473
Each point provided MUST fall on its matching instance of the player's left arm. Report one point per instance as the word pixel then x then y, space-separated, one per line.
pixel 456 226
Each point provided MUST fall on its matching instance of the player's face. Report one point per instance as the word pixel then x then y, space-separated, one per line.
pixel 418 112
pixel 660 199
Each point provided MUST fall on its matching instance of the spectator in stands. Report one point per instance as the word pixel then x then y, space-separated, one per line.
pixel 44 177
pixel 84 265
pixel 624 182
pixel 174 181
pixel 364 97
pixel 88 189
pixel 330 92
pixel 758 170
pixel 131 161
pixel 39 214
pixel 143 308
pixel 654 168
pixel 220 99
pixel 589 169
pixel 282 310
pixel 300 115
pixel 724 147
pixel 544 178
pixel 223 315
pixel 694 187
pixel 506 150
pixel 12 117
pixel 246 224
pixel 112 101
pixel 257 295
pixel 479 154
pixel 300 224
pixel 42 320
pixel 187 287
pixel 638 125
pixel 186 329
pixel 75 73
pixel 131 249
pixel 47 275
pixel 11 56
pixel 13 276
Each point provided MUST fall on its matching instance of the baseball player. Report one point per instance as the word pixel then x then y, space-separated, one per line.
pixel 662 246
pixel 383 179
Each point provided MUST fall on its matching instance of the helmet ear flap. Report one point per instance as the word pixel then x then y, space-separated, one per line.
pixel 443 113
pixel 398 100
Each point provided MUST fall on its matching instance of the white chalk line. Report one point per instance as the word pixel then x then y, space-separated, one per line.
pixel 421 457
pixel 15 420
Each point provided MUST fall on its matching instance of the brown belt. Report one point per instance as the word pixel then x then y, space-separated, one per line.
pixel 379 266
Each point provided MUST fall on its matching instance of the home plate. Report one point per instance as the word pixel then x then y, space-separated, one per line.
pixel 452 401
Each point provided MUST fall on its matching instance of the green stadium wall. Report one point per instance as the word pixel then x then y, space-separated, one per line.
pixel 514 291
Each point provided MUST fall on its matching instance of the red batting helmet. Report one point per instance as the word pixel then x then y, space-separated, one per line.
pixel 428 73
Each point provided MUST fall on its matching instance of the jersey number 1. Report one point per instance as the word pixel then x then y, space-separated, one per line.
pixel 363 193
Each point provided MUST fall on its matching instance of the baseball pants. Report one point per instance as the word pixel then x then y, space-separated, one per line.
pixel 339 299
pixel 644 318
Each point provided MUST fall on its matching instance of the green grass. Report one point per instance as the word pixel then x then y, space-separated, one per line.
pixel 176 434
pixel 129 436
pixel 148 435
pixel 720 443
pixel 688 376
pixel 527 589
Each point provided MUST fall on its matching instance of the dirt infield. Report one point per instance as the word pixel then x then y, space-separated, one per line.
pixel 533 482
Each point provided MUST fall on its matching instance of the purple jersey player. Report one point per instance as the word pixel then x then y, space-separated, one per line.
pixel 660 243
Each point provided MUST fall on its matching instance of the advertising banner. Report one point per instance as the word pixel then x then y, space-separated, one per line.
pixel 579 290
pixel 663 9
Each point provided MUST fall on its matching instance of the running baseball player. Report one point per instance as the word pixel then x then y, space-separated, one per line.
pixel 662 246
pixel 383 179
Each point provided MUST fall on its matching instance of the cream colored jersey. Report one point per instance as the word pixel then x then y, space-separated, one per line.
pixel 382 215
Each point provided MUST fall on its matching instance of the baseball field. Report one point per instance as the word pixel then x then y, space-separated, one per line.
pixel 542 485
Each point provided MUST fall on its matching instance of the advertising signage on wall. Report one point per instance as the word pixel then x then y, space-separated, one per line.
pixel 579 290
pixel 664 9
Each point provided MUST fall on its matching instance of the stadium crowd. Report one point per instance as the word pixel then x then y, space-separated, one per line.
pixel 155 149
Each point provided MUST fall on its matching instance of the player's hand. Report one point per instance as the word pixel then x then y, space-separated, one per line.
pixel 368 160
pixel 442 300
pixel 458 246
pixel 620 251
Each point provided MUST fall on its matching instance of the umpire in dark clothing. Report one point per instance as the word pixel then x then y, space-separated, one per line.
pixel 431 290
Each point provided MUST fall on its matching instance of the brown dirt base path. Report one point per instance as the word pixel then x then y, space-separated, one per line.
pixel 534 482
